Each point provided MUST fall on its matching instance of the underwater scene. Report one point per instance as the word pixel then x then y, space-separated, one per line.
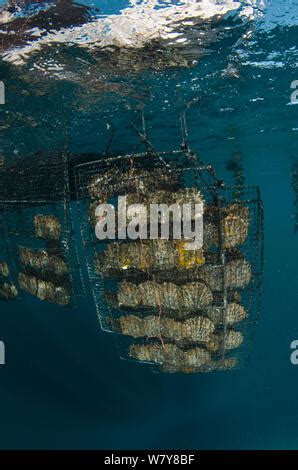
pixel 148 224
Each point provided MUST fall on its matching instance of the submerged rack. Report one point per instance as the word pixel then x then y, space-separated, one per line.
pixel 180 311
pixel 175 309
pixel 36 230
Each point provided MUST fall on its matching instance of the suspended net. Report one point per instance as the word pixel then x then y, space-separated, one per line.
pixel 36 231
pixel 8 272
pixel 179 310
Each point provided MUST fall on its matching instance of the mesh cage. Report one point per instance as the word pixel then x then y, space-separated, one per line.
pixel 179 310
pixel 8 271
pixel 36 230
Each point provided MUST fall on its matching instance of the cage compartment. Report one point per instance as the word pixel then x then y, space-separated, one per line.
pixel 36 206
pixel 112 176
pixel 175 336
pixel 8 273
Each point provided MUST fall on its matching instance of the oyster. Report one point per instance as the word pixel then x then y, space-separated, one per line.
pixel 212 365
pixel 233 221
pixel 42 261
pixel 101 187
pixel 169 354
pixel 193 329
pixel 47 227
pixel 4 269
pixel 44 290
pixel 232 340
pixel 8 291
pixel 148 255
pixel 167 295
pixel 237 275
pixel 233 313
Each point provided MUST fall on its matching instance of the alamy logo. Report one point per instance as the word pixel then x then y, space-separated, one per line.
pixel 294 95
pixel 294 354
pixel 2 93
pixel 139 221
pixel 2 353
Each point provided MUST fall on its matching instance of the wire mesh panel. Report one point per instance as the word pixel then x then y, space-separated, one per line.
pixel 181 310
pixel 37 228
pixel 8 272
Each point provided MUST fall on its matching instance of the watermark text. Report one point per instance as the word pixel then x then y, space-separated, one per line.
pixel 138 221
pixel 2 353
pixel 2 93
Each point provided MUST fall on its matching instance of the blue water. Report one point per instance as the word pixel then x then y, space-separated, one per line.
pixel 63 385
